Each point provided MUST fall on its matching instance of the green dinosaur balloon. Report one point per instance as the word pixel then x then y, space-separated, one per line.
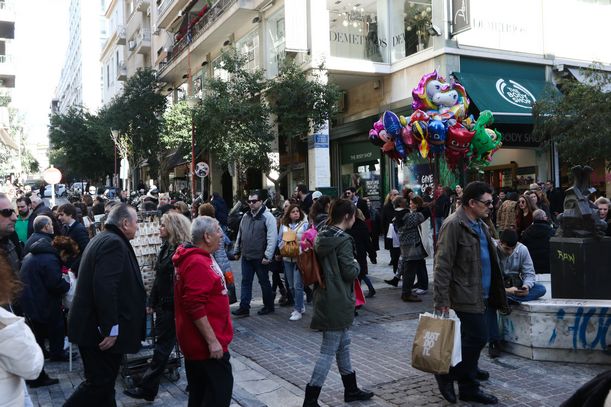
pixel 485 141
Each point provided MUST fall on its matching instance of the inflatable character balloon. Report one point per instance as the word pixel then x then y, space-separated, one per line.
pixel 485 141
pixel 439 98
pixel 436 136
pixel 457 144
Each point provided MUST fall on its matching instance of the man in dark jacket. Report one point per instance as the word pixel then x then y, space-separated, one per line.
pixel 108 316
pixel 468 279
pixel 536 239
pixel 220 210
pixel 74 230
pixel 555 196
pixel 39 208
pixel 41 298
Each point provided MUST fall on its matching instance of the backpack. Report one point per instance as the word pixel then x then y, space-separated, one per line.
pixel 290 248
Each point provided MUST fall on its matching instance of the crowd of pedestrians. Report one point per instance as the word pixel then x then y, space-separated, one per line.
pixel 487 251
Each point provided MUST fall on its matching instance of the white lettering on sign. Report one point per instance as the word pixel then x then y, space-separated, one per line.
pixel 515 93
pixel 361 156
pixel 430 339
pixel 357 39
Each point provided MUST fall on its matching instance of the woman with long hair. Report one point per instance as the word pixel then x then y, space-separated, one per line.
pixel 20 356
pixel 319 212
pixel 334 304
pixel 524 216
pixel 363 247
pixel 413 249
pixel 293 222
pixel 174 230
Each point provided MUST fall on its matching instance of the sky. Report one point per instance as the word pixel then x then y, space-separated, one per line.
pixel 41 35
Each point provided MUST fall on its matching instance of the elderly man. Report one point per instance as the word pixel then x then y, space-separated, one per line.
pixel 203 322
pixel 107 318
pixel 39 208
pixel 468 279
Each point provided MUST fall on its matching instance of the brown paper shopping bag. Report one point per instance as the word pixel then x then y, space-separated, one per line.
pixel 433 344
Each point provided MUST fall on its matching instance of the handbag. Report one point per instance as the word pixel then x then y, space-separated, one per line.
pixel 309 268
pixel 436 344
pixel 229 282
pixel 358 293
pixel 68 298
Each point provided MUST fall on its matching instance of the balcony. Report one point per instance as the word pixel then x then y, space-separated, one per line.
pixel 122 72
pixel 168 11
pixel 143 42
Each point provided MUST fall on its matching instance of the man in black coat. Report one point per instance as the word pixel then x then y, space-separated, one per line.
pixel 39 208
pixel 108 316
pixel 220 210
pixel 536 239
pixel 74 230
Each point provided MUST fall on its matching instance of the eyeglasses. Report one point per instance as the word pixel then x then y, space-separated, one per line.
pixel 486 203
pixel 7 213
pixel 252 201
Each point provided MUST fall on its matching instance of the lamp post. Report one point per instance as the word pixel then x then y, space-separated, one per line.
pixel 192 102
pixel 114 136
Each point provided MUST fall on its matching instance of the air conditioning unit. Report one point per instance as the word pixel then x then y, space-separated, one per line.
pixel 132 45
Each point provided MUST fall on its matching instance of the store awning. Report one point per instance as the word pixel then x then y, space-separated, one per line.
pixel 510 99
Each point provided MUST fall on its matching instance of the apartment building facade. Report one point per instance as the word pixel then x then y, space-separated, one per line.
pixel 7 85
pixel 376 51
pixel 80 82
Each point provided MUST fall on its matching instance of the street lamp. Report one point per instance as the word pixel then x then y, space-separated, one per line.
pixel 192 102
pixel 115 136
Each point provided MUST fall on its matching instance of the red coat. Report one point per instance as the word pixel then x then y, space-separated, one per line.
pixel 199 291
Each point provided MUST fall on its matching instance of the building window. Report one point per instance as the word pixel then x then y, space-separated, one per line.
pixel 248 46
pixel 275 43
pixel 410 20
pixel 218 70
pixel 359 29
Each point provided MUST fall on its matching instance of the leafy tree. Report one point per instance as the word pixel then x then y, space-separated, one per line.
pixel 137 114
pixel 175 138
pixel 301 101
pixel 232 121
pixel 78 147
pixel 577 119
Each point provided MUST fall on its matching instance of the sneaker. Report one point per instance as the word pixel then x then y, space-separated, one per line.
pixel 295 316
pixel 241 312
pixel 420 291
pixel 303 309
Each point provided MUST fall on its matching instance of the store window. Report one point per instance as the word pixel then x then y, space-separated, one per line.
pixel 275 43
pixel 409 24
pixel 358 29
pixel 249 47
pixel 360 169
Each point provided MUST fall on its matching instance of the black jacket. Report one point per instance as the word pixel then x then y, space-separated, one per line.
pixel 109 292
pixel 36 236
pixel 362 244
pixel 220 209
pixel 41 209
pixel 536 239
pixel 162 292
pixel 78 233
pixel 43 285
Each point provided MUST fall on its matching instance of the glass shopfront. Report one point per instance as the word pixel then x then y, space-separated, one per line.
pixel 379 30
pixel 360 168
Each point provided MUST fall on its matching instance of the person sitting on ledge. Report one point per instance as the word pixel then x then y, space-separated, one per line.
pixel 520 282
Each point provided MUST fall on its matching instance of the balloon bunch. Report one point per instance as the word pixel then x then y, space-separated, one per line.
pixel 438 127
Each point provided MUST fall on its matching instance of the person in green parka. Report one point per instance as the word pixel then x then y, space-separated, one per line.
pixel 334 304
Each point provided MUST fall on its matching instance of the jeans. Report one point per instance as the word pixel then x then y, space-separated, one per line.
pixel 249 269
pixel 411 268
pixel 473 335
pixel 438 223
pixel 493 324
pixel 334 344
pixel 294 283
pixel 101 370
pixel 210 382
pixel 165 332
pixel 536 291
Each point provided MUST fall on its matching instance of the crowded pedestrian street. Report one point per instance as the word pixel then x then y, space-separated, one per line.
pixel 272 359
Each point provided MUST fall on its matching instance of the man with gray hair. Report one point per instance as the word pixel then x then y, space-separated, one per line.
pixel 43 229
pixel 39 208
pixel 203 324
pixel 108 316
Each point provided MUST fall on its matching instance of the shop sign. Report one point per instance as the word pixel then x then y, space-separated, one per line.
pixel 318 141
pixel 461 11
pixel 519 136
pixel 419 177
pixel 515 93
pixel 359 152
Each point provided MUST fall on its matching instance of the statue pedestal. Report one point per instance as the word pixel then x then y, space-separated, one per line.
pixel 580 268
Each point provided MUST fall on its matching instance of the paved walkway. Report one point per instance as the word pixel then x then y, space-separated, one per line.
pixel 273 359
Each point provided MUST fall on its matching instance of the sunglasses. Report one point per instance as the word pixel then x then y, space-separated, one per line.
pixel 252 201
pixel 7 213
pixel 486 203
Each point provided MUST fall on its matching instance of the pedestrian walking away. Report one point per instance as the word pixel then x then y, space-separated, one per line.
pixel 334 304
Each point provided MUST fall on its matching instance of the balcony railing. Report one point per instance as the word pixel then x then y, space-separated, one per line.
pixel 163 7
pixel 198 27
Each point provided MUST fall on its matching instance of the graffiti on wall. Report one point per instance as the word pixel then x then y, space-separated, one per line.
pixel 589 329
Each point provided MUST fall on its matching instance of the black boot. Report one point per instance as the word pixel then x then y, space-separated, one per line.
pixel 351 391
pixel 311 396
pixel 394 281
pixel 42 380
